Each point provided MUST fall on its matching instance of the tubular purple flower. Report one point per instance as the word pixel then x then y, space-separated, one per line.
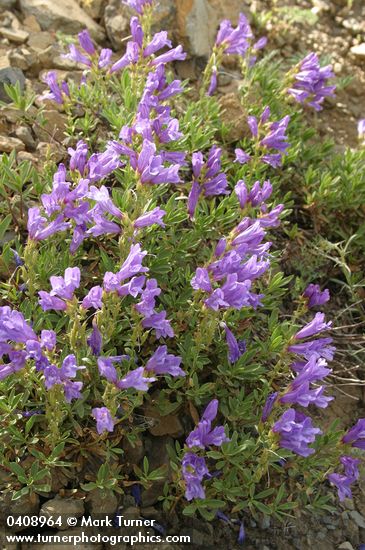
pixel 241 156
pixel 194 469
pixel 105 58
pixel 150 218
pixel 131 56
pixel 361 128
pixel 93 298
pixel 344 481
pixel 296 432
pixel 86 42
pixel 203 435
pixel 137 5
pixel 56 94
pixel 75 55
pixel 147 304
pixel 14 327
pixel 78 156
pixel 104 419
pixel 95 340
pixel 268 407
pixel 48 302
pixel 135 379
pixel 160 324
pixel 162 362
pixel 158 42
pixel 234 350
pixel 236 41
pixel 316 326
pixel 241 191
pixel 64 287
pixel 176 54
pixel 315 296
pixel 356 435
pixel 201 280
pixel 48 339
pixel 319 348
pixel 136 31
pixel 213 82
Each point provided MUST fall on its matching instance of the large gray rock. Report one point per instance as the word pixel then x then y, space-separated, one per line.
pixel 7 4
pixel 65 15
pixel 10 75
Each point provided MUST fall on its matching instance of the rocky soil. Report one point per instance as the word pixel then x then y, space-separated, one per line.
pixel 28 47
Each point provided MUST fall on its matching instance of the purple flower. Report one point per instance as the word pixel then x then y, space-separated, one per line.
pixel 304 396
pixel 194 469
pixel 203 435
pixel 161 325
pixel 276 139
pixel 150 218
pixel 131 266
pixel 54 375
pixel 17 358
pixel 14 327
pixel 344 481
pixel 235 41
pixel 234 350
pixel 147 304
pixel 150 166
pixel 48 302
pixel 315 296
pixel 258 194
pixel 162 362
pixel 241 192
pixel 101 165
pixel 93 298
pixel 104 419
pixel 48 339
pixel 138 5
pixel 296 432
pixel 131 56
pixel 158 42
pixel 356 435
pixel 135 379
pixel 241 156
pixel 78 156
pixel 269 404
pixel 176 54
pixel 105 58
pixel 316 326
pixel 86 42
pixel 75 55
pixel 310 82
pixel 64 287
pixel 201 280
pixel 213 82
pixel 95 340
pixel 107 369
pixel 241 534
pixel 319 348
pixel 57 93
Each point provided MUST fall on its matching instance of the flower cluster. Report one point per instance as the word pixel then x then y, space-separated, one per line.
pixel 194 467
pixel 207 178
pixel 241 259
pixel 309 82
pixel 271 142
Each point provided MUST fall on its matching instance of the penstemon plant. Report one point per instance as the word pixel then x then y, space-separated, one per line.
pixel 150 276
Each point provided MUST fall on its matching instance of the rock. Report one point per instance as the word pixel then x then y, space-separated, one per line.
pixel 358 51
pixel 31 23
pixel 346 546
pixel 25 156
pixel 27 505
pixel 51 58
pixel 9 144
pixel 40 40
pixel 133 453
pixel 64 507
pixel 53 127
pixel 4 61
pixel 7 4
pixel 66 16
pixel 77 532
pixel 17 36
pixel 25 135
pixel 197 23
pixel 23 58
pixel 357 518
pixel 101 503
pixel 116 24
pixel 163 425
pixel 233 116
pixel 10 75
pixel 156 451
pixel 93 7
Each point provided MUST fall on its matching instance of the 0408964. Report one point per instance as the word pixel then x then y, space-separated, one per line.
pixel 33 521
